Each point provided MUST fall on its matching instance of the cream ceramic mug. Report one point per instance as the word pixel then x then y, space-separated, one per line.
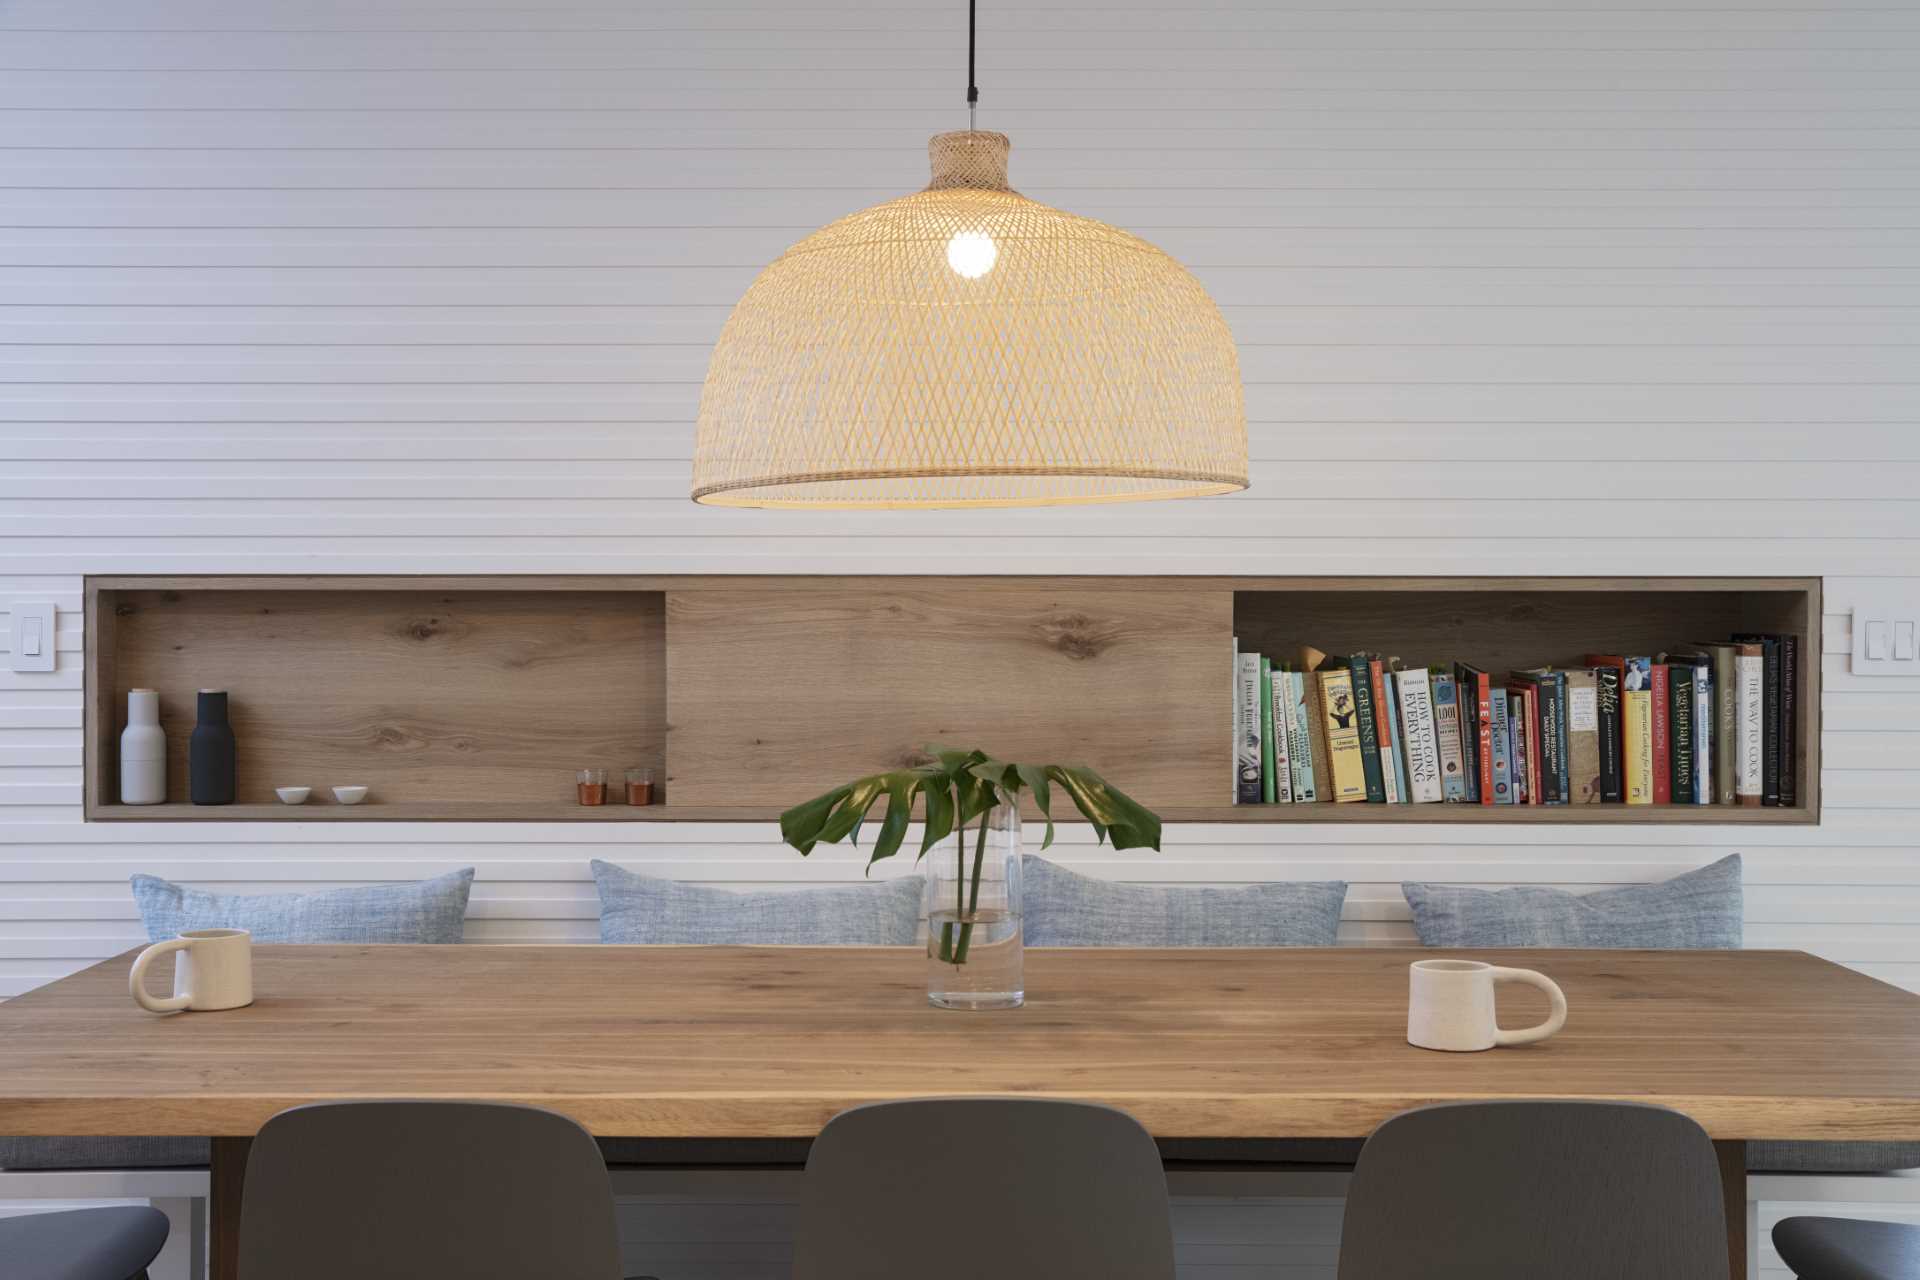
pixel 1450 1006
pixel 213 971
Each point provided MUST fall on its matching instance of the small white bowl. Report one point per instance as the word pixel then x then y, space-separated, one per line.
pixel 349 795
pixel 293 795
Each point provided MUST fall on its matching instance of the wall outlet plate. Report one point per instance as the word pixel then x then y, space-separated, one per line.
pixel 32 643
pixel 1884 639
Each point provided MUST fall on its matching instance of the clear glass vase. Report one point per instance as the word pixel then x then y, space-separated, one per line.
pixel 974 949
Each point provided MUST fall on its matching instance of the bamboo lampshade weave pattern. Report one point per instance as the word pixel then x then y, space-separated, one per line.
pixel 967 346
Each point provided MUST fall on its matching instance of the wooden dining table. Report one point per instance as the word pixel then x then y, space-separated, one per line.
pixel 771 1042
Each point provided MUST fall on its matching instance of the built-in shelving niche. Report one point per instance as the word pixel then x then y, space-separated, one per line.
pixel 475 699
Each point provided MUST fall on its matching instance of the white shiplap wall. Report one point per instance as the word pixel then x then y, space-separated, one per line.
pixel 428 286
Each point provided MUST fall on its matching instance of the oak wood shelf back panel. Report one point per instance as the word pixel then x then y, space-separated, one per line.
pixel 474 698
pixel 438 700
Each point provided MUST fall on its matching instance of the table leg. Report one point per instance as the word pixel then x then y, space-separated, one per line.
pixel 227 1178
pixel 1733 1187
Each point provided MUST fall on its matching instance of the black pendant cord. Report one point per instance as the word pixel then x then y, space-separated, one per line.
pixel 973 90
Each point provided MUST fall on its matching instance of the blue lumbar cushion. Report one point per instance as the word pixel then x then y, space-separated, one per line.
pixel 646 909
pixel 1065 909
pixel 421 911
pixel 1699 910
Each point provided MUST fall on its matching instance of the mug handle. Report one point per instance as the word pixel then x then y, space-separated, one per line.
pixel 1556 1018
pixel 137 980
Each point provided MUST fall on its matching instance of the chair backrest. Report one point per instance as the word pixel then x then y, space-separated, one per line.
pixel 958 1188
pixel 379 1190
pixel 1506 1190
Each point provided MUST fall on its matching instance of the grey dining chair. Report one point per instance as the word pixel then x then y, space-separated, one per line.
pixel 82 1244
pixel 1848 1248
pixel 1519 1190
pixel 958 1188
pixel 398 1190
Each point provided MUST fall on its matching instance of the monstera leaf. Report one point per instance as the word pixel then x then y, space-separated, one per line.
pixel 955 788
pixel 953 797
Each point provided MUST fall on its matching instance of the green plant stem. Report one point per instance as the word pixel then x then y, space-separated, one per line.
pixel 979 860
pixel 959 907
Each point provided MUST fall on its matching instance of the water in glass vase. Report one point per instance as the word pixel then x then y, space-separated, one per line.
pixel 973 916
pixel 974 959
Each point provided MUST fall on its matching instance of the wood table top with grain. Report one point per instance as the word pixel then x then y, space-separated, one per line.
pixel 773 1041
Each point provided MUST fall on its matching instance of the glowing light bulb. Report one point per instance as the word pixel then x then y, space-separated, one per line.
pixel 972 253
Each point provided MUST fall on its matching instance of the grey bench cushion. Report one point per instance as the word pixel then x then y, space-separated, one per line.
pixel 103 1153
pixel 647 909
pixel 1062 908
pixel 433 911
pixel 1701 909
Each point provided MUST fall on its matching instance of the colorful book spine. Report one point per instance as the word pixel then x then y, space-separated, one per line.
pixel 1312 758
pixel 1390 680
pixel 1789 720
pixel 1583 736
pixel 1446 732
pixel 1280 707
pixel 1269 758
pixel 1341 716
pixel 1703 730
pixel 1233 744
pixel 1526 755
pixel 1247 751
pixel 1680 727
pixel 1749 724
pixel 1547 768
pixel 1772 744
pixel 1360 670
pixel 1500 735
pixel 1537 764
pixel 1606 690
pixel 1769 717
pixel 1636 719
pixel 1422 736
pixel 1726 715
pixel 1613 741
pixel 1563 769
pixel 1658 711
pixel 1476 737
pixel 1552 724
pixel 1385 714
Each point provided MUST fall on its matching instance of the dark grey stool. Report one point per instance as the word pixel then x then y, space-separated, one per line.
pixel 1520 1190
pixel 1848 1249
pixel 400 1190
pixel 959 1188
pixel 82 1244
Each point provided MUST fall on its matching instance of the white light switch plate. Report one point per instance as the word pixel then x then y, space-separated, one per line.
pixel 32 643
pixel 1884 638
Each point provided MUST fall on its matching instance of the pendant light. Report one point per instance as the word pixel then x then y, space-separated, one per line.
pixel 965 346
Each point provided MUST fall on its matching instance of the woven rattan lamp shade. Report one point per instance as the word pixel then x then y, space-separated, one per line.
pixel 966 346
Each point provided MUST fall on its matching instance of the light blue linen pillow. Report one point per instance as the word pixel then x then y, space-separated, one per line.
pixel 647 909
pixel 420 911
pixel 1701 910
pixel 1065 909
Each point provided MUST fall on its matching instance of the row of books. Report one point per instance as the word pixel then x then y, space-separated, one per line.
pixel 1715 723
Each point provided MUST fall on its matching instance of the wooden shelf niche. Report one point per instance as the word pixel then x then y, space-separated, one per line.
pixel 1506 625
pixel 475 699
pixel 448 704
